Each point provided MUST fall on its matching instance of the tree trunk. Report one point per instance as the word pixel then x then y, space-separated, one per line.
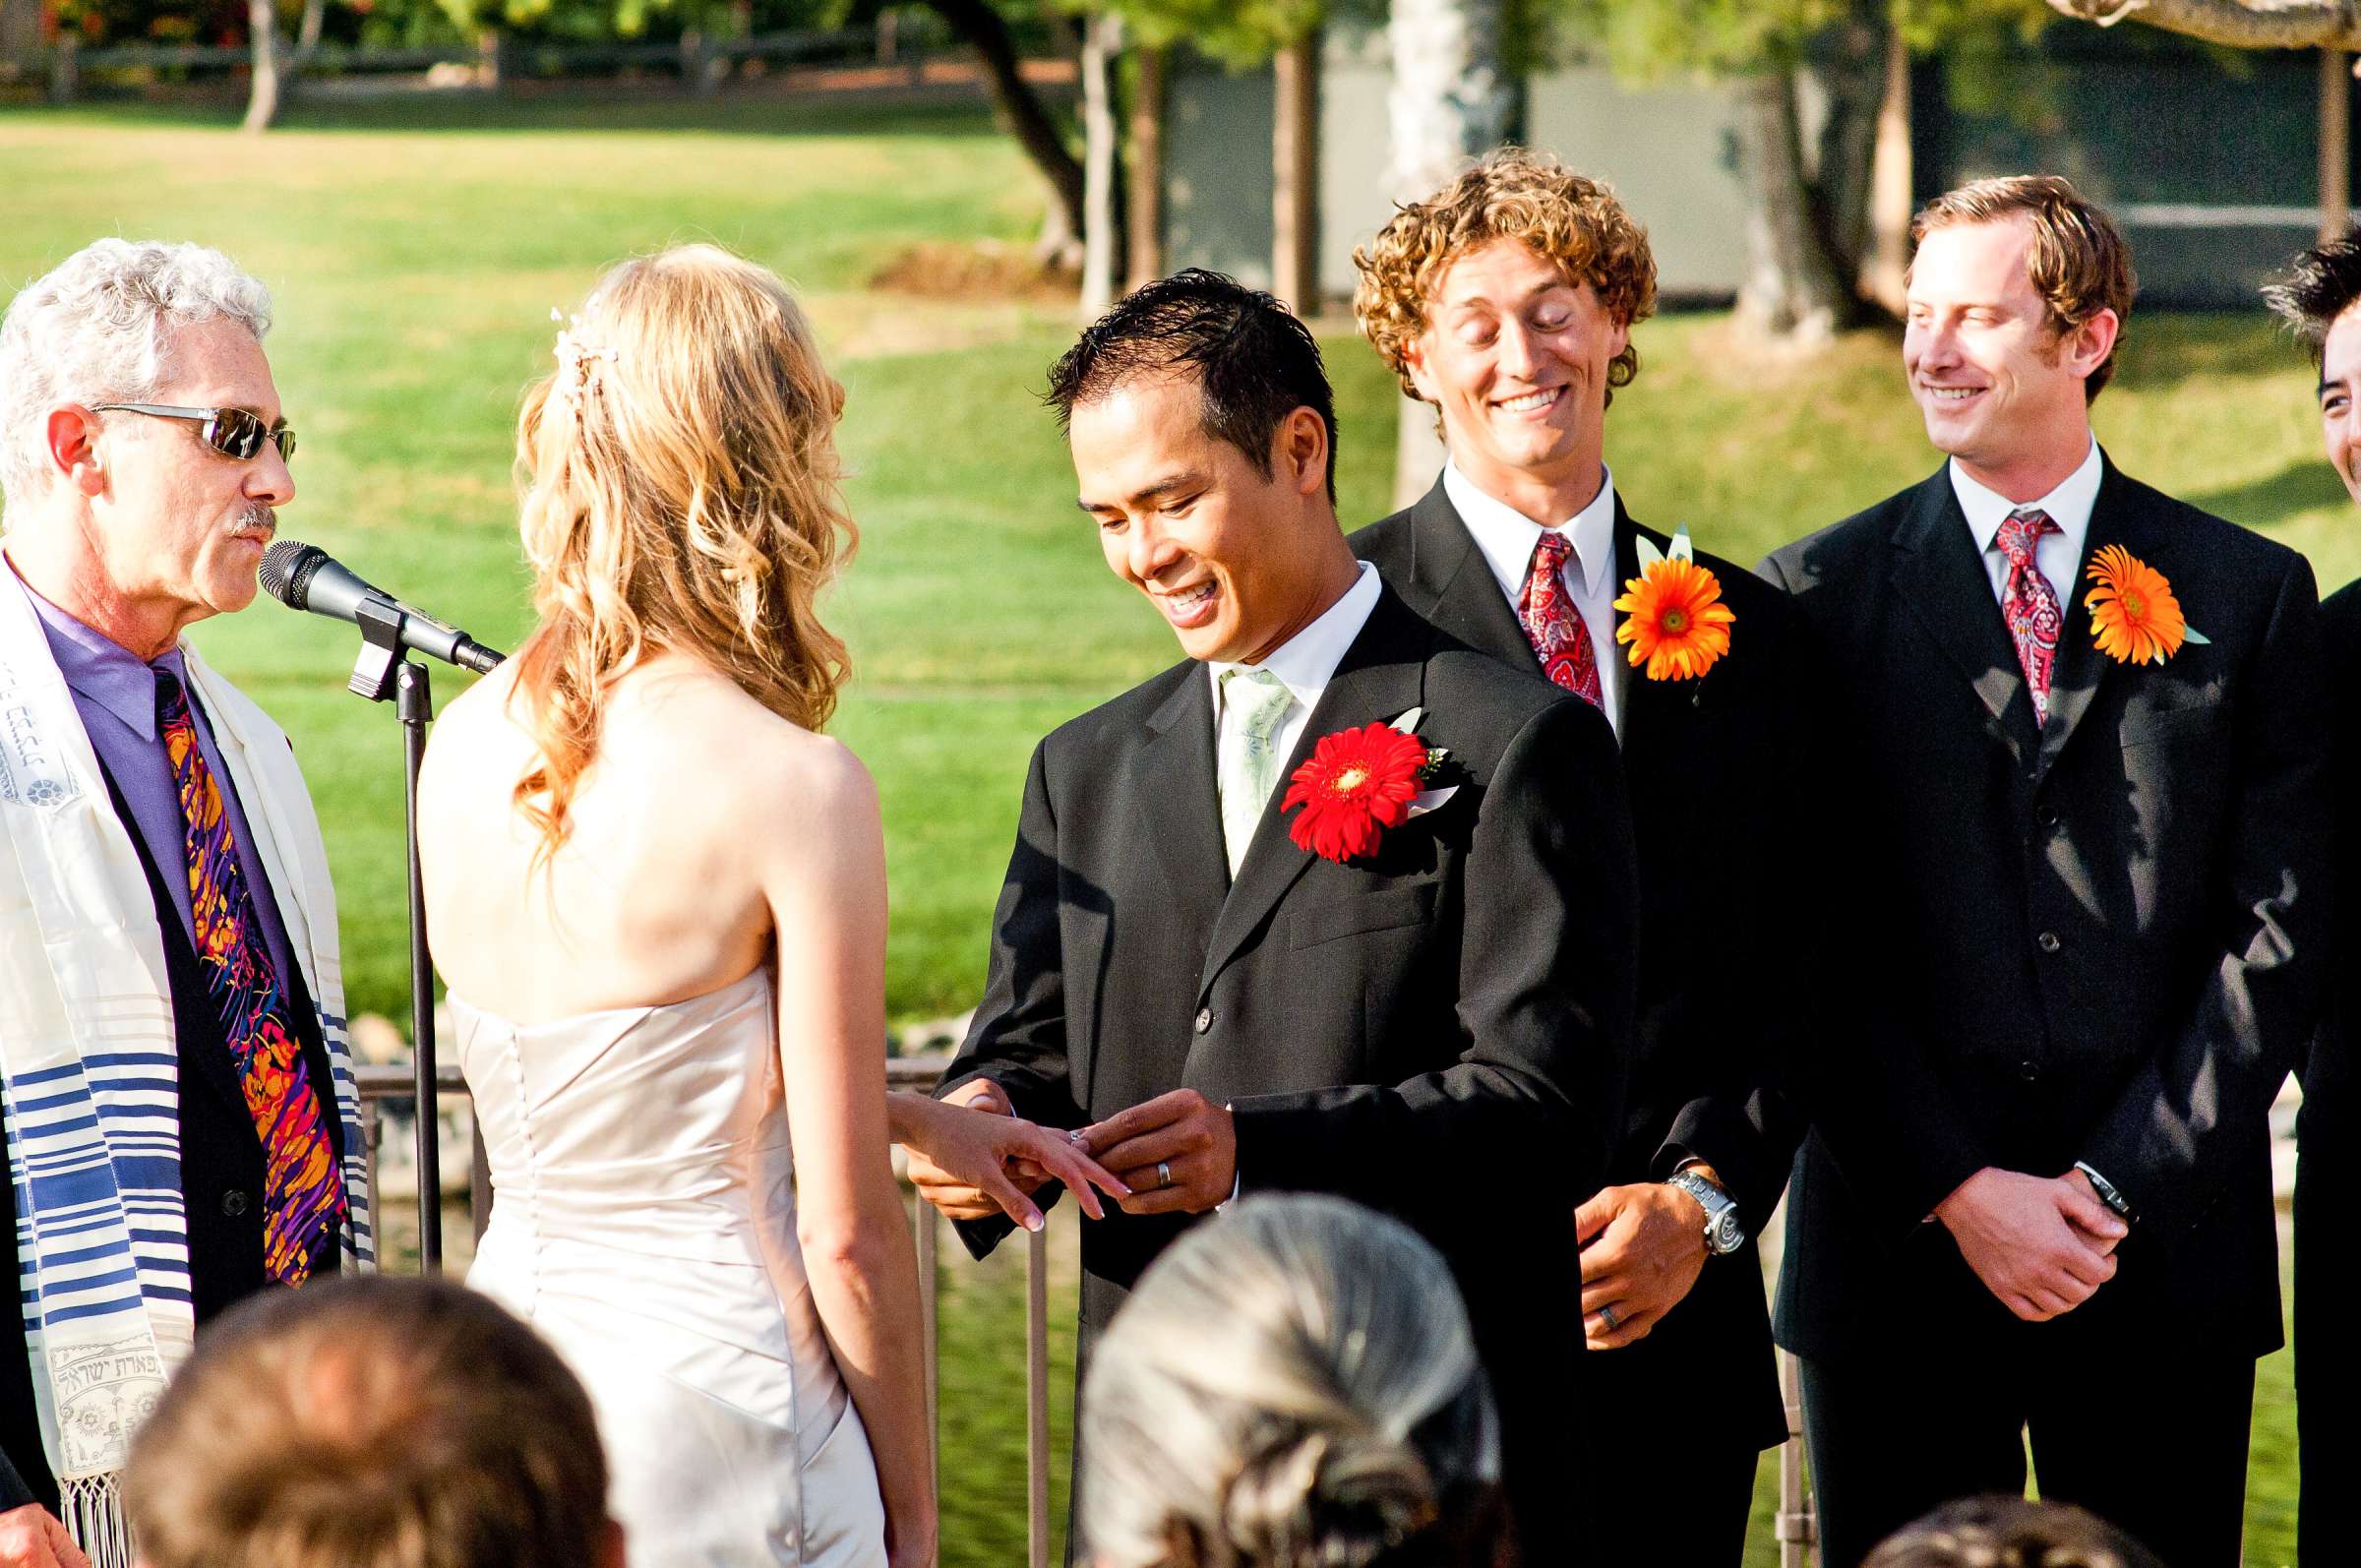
pixel 1101 234
pixel 1451 100
pixel 262 103
pixel 1296 174
pixel 1144 200
pixel 307 38
pixel 1851 65
pixel 1892 194
pixel 976 25
pixel 20 32
pixel 2335 144
pixel 1791 290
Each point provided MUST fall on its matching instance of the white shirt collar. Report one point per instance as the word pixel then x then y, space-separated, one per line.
pixel 1507 537
pixel 2068 506
pixel 1305 662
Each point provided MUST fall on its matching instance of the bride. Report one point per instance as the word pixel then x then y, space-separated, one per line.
pixel 657 894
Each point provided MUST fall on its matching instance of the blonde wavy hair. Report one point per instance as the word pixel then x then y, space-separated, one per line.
pixel 1511 194
pixel 681 493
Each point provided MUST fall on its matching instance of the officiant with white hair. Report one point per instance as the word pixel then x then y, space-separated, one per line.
pixel 182 1123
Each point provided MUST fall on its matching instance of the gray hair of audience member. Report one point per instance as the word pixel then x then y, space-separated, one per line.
pixel 1291 1384
pixel 99 327
pixel 370 1421
pixel 2005 1531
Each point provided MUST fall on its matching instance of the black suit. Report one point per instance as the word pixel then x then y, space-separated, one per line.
pixel 1439 1032
pixel 2328 1367
pixel 221 1170
pixel 1714 772
pixel 2097 940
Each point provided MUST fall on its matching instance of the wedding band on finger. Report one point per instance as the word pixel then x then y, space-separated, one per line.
pixel 1606 1316
pixel 1164 1174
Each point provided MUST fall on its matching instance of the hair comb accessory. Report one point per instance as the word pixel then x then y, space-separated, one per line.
pixel 575 355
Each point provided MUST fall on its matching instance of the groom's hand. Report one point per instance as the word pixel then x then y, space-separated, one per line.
pixel 954 1198
pixel 1178 1153
pixel 32 1538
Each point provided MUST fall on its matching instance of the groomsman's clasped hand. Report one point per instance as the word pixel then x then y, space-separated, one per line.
pixel 2043 1247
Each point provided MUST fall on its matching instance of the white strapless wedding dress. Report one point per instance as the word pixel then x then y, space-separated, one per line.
pixel 644 1222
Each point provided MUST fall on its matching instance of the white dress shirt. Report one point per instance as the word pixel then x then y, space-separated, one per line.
pixel 1304 664
pixel 2058 556
pixel 1507 538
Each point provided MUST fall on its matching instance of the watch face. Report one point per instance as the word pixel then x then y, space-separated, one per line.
pixel 1725 1236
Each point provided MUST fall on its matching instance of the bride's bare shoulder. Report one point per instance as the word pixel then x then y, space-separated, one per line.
pixel 743 753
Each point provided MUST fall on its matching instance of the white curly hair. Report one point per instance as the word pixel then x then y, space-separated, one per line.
pixel 96 329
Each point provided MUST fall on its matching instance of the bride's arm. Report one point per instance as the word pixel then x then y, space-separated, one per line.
pixel 826 890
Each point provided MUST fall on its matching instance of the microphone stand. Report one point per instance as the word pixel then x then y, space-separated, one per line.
pixel 386 670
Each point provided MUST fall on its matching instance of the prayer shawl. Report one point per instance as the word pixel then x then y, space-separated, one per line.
pixel 89 1069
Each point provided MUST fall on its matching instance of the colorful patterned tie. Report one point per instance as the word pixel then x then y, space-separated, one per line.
pixel 1255 704
pixel 303 1194
pixel 2028 604
pixel 1560 638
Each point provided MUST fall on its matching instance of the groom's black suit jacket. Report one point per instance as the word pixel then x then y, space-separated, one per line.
pixel 2099 939
pixel 1441 1031
pixel 1716 769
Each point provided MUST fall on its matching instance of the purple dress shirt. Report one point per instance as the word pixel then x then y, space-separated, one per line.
pixel 114 691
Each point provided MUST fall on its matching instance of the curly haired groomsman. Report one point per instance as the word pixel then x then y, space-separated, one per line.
pixel 2086 847
pixel 1507 299
pixel 2318 297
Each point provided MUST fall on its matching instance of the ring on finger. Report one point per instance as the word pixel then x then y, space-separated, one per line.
pixel 1606 1316
pixel 1164 1174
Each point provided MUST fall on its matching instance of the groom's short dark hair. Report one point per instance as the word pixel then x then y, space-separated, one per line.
pixel 1254 363
pixel 2321 286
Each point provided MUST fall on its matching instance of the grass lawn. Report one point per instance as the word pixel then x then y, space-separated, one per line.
pixel 417 248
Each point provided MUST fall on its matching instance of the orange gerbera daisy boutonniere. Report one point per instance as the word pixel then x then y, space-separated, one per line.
pixel 2134 613
pixel 1673 615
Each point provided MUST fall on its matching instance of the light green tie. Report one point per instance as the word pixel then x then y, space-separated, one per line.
pixel 1255 704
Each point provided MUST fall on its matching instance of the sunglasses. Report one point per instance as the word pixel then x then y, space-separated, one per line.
pixel 231 432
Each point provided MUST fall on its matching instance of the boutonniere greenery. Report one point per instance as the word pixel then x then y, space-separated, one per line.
pixel 1358 782
pixel 2134 613
pixel 1673 615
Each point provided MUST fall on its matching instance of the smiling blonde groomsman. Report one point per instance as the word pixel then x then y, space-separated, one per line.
pixel 1508 300
pixel 2087 853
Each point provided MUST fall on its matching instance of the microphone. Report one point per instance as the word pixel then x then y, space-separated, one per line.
pixel 304 576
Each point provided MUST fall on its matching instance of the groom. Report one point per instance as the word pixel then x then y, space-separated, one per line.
pixel 1434 1021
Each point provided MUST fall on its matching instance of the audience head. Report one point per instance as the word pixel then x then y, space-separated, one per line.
pixel 1204 442
pixel 1507 299
pixel 169 514
pixel 2010 1533
pixel 680 495
pixel 1292 1385
pixel 2316 299
pixel 2017 292
pixel 372 1422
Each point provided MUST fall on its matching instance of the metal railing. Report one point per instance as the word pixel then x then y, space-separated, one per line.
pixel 1796 1526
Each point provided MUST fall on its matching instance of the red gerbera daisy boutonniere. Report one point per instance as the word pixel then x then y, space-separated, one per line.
pixel 1357 784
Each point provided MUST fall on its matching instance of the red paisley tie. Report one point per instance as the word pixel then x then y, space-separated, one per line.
pixel 2028 604
pixel 1560 638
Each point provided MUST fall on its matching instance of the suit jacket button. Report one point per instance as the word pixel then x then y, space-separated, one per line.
pixel 233 1203
pixel 2029 1070
pixel 2048 941
pixel 1204 1020
pixel 2047 815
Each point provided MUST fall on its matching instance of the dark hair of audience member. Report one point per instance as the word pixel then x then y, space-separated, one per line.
pixel 1253 362
pixel 2323 285
pixel 1292 1385
pixel 372 1422
pixel 2010 1533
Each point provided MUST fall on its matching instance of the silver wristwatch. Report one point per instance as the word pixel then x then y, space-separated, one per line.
pixel 1722 1232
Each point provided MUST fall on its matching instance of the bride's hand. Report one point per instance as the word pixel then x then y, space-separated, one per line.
pixel 985 1149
